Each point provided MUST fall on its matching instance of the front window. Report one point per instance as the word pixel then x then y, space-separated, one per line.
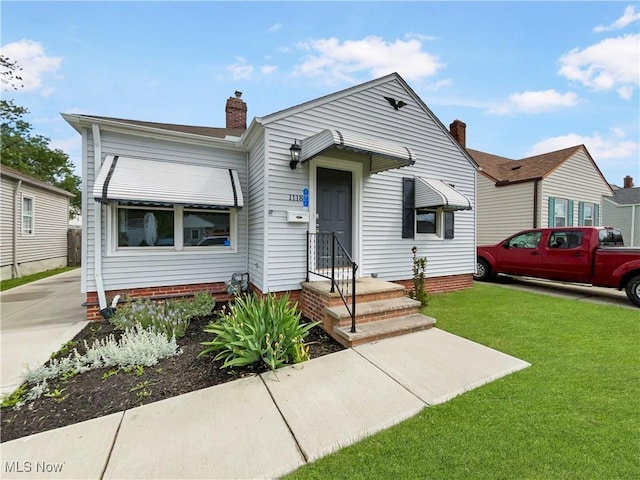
pixel 203 228
pixel 27 215
pixel 588 214
pixel 145 227
pixel 560 212
pixel 427 221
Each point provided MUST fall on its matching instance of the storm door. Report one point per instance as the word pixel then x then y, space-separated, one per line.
pixel 334 209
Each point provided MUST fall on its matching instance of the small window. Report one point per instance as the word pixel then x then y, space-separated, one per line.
pixel 27 215
pixel 610 237
pixel 208 228
pixel 145 227
pixel 587 213
pixel 565 240
pixel 427 221
pixel 560 213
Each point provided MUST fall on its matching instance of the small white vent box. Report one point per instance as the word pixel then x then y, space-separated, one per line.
pixel 297 217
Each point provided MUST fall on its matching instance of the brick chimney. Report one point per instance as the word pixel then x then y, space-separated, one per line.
pixel 628 182
pixel 458 130
pixel 236 111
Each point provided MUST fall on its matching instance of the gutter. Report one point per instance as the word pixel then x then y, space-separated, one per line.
pixel 535 202
pixel 97 241
pixel 15 273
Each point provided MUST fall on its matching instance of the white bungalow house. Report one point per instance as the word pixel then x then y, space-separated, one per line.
pixel 373 166
pixel 34 224
pixel 561 188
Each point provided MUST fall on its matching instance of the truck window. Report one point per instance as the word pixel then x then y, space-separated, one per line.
pixel 525 240
pixel 568 239
pixel 610 237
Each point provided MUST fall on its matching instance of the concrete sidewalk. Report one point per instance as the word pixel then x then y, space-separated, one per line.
pixel 37 319
pixel 268 425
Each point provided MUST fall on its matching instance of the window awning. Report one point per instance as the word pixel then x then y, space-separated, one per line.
pixel 384 155
pixel 154 182
pixel 432 193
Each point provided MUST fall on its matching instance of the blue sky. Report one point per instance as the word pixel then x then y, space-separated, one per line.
pixel 526 77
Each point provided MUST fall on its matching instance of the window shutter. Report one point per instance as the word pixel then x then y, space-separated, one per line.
pixel 596 214
pixel 569 213
pixel 552 212
pixel 448 225
pixel 408 207
pixel 580 214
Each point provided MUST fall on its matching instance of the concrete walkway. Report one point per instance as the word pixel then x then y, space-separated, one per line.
pixel 36 319
pixel 268 425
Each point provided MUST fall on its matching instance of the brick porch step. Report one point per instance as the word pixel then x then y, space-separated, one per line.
pixel 374 311
pixel 372 331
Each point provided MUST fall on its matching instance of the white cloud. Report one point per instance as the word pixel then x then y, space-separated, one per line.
pixel 630 16
pixel 335 61
pixel 30 56
pixel 535 102
pixel 267 69
pixel 275 27
pixel 612 63
pixel 614 147
pixel 240 69
pixel 420 36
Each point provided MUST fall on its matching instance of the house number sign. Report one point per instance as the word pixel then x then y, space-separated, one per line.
pixel 304 198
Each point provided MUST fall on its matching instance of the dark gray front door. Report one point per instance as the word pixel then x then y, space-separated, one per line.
pixel 334 204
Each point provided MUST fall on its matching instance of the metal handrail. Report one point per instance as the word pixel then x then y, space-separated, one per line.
pixel 324 258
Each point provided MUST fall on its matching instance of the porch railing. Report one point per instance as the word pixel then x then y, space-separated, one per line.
pixel 327 258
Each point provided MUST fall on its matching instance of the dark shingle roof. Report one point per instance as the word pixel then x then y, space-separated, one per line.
pixel 196 130
pixel 18 175
pixel 627 196
pixel 506 170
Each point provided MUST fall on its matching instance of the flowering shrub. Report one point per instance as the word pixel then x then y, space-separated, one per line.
pixel 171 317
pixel 255 329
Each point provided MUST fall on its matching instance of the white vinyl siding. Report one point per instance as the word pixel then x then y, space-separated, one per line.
pixel 626 218
pixel 502 211
pixel 151 269
pixel 381 248
pixel 256 212
pixel 577 180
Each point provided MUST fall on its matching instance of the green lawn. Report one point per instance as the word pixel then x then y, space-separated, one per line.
pixel 574 414
pixel 16 282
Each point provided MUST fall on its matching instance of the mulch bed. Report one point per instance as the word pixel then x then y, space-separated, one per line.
pixel 91 396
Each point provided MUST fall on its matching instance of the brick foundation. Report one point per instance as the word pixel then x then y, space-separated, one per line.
pixel 218 290
pixel 449 283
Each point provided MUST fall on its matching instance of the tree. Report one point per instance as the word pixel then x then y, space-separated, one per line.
pixel 27 152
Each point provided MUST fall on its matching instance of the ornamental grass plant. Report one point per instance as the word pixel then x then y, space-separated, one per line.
pixel 258 329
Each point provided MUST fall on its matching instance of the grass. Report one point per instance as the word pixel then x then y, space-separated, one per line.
pixel 572 415
pixel 16 282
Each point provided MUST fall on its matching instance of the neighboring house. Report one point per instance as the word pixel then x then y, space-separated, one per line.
pixel 622 211
pixel 561 188
pixel 35 219
pixel 153 192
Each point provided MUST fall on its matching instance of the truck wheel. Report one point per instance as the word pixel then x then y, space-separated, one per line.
pixel 633 290
pixel 483 273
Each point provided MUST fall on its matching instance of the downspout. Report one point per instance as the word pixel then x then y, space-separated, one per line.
pixel 97 243
pixel 633 225
pixel 16 225
pixel 535 203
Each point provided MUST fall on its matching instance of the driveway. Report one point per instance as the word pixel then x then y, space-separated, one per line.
pixel 36 320
pixel 583 293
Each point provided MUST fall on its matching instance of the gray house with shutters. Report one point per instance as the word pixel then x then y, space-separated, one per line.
pixel 173 209
pixel 622 210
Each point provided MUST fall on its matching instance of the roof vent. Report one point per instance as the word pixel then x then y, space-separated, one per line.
pixel 516 167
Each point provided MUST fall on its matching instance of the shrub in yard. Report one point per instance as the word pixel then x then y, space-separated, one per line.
pixel 258 329
pixel 170 317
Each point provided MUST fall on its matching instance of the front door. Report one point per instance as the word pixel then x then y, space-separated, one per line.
pixel 334 204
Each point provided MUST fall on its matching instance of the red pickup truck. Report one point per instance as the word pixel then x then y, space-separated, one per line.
pixel 592 255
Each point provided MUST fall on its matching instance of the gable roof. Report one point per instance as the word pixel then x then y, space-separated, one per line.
pixel 7 171
pixel 627 196
pixel 505 171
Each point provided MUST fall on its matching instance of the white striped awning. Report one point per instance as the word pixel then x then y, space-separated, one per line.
pixel 432 193
pixel 384 155
pixel 155 182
